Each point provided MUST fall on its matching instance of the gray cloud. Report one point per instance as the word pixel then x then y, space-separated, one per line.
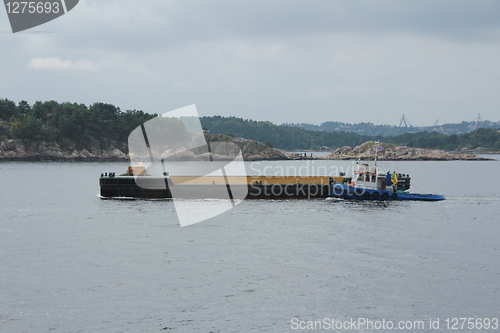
pixel 284 61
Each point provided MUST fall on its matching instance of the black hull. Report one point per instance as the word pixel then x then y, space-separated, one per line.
pixel 163 189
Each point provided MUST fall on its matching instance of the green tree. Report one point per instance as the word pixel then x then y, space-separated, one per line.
pixel 24 108
pixel 43 110
pixel 8 109
pixel 29 128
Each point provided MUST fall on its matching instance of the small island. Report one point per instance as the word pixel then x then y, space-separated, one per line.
pixel 392 152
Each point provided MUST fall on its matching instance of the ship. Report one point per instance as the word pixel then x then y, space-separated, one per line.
pixel 177 136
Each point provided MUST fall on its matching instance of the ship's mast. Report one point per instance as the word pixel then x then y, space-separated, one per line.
pixel 376 153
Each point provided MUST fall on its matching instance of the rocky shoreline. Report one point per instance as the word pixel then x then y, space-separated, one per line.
pixel 391 152
pixel 16 150
pixel 107 150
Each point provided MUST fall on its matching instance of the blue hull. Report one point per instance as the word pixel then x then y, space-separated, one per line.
pixel 357 193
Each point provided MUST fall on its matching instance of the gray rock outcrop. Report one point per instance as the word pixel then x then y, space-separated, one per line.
pixel 391 152
pixel 16 150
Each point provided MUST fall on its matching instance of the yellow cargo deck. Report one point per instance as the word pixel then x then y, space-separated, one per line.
pixel 254 180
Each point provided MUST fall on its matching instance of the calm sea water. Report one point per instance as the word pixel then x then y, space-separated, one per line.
pixel 72 262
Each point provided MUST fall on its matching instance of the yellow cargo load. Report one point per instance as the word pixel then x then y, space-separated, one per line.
pixel 254 180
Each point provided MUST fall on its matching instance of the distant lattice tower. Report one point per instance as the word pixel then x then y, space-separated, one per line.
pixel 436 127
pixel 404 120
pixel 477 123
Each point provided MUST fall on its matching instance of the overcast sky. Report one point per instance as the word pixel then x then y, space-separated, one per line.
pixel 279 60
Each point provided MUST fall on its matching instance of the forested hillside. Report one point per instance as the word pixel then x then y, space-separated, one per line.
pixel 82 125
pixel 395 130
pixel 292 138
pixel 280 136
pixel 53 121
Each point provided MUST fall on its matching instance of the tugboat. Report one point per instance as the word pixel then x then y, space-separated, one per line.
pixel 370 183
